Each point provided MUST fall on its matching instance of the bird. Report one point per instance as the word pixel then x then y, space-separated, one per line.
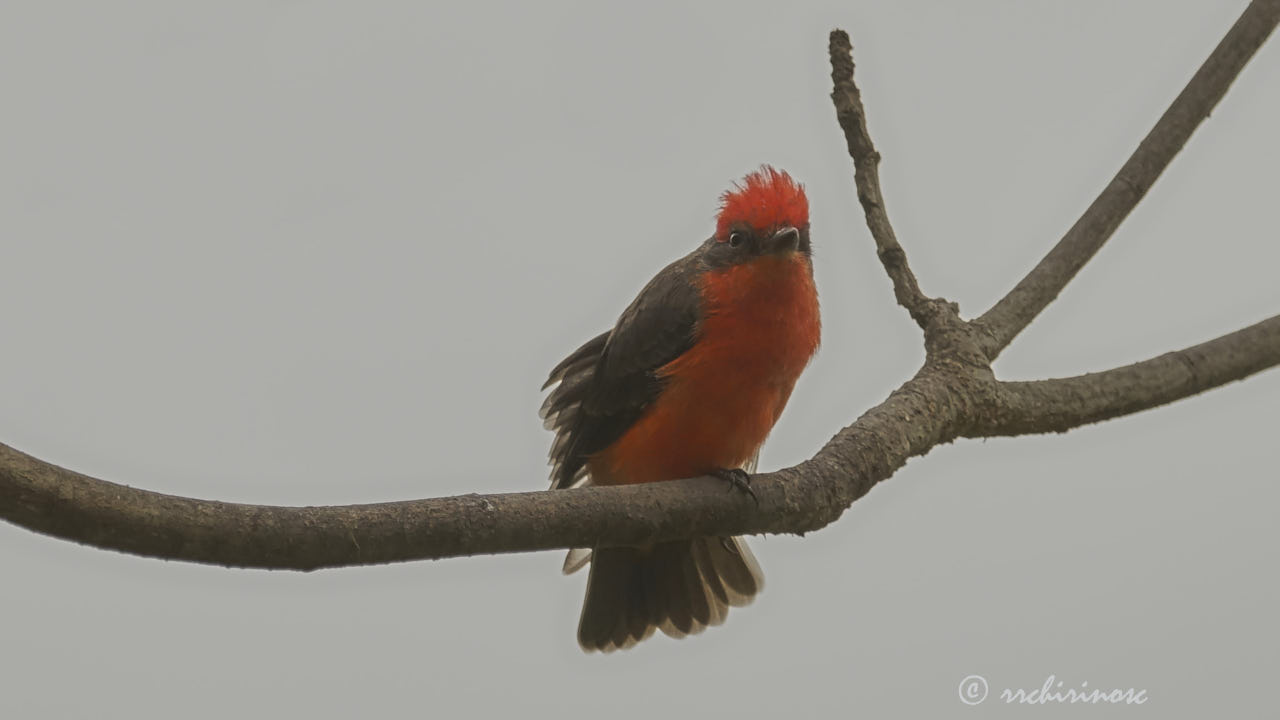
pixel 689 382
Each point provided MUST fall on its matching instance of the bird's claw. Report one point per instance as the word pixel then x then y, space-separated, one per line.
pixel 737 478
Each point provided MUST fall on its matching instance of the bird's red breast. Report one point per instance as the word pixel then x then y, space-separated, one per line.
pixel 760 326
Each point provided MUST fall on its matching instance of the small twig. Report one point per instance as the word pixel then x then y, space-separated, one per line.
pixel 866 176
pixel 1002 323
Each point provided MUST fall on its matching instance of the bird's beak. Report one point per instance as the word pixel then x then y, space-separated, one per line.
pixel 786 239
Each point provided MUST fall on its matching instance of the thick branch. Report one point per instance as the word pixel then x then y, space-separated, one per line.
pixel 52 500
pixel 866 177
pixel 1002 323
pixel 1061 404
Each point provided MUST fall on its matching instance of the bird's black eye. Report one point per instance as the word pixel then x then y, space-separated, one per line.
pixel 736 238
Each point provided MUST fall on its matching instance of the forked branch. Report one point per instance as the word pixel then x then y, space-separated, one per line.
pixel 953 395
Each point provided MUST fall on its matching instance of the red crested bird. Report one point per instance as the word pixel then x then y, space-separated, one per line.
pixel 689 382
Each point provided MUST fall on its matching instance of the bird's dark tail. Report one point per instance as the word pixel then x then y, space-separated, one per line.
pixel 679 587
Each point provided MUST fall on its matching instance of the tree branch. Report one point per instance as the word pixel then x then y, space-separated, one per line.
pixel 866 177
pixel 1063 403
pixel 942 402
pixel 953 395
pixel 55 501
pixel 1002 323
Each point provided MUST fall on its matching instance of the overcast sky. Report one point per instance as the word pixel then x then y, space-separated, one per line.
pixel 319 252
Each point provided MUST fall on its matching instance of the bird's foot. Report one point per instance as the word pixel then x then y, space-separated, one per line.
pixel 737 478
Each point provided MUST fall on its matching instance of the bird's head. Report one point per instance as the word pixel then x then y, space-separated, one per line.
pixel 764 214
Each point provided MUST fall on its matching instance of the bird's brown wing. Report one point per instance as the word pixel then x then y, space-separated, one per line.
pixel 603 387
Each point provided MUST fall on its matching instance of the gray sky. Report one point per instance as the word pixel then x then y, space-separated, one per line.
pixel 312 253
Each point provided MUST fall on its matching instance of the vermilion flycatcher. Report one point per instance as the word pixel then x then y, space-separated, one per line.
pixel 689 382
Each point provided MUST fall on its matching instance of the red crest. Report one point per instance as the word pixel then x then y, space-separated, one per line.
pixel 763 199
